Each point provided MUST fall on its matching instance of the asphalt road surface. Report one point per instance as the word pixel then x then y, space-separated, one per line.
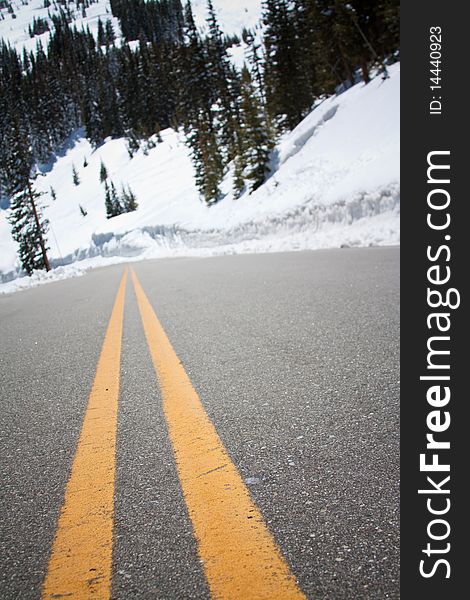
pixel 294 358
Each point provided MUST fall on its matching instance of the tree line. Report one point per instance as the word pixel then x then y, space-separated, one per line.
pixel 165 73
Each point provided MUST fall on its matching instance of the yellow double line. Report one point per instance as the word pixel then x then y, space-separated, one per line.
pixel 241 560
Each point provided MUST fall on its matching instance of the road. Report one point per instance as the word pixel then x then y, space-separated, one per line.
pixel 293 361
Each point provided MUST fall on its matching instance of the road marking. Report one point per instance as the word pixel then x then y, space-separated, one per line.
pixel 81 560
pixel 241 559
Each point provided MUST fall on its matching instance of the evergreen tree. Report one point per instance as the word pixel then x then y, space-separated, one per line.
pixel 341 37
pixel 117 207
pixel 256 64
pixel 256 139
pixel 288 90
pixel 28 225
pixel 239 185
pixel 83 212
pixel 129 200
pixel 92 118
pixel 225 82
pixel 110 34
pixel 112 203
pixel 207 103
pixel 103 172
pixel 133 144
pixel 194 93
pixel 108 202
pixel 102 39
pixel 29 229
pixel 76 179
pixel 207 160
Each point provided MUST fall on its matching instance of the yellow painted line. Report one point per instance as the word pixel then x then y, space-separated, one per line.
pixel 241 559
pixel 81 560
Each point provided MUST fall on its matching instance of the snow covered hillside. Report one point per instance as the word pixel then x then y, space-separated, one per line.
pixel 335 181
pixel 233 16
pixel 15 29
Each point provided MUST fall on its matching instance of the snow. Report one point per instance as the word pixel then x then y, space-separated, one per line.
pixel 335 183
pixel 232 16
pixel 15 30
pixel 66 272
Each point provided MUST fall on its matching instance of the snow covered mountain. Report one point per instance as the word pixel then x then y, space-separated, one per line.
pixel 334 179
pixel 15 21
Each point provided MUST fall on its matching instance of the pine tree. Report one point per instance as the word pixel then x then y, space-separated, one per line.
pixel 206 103
pixel 92 116
pixel 28 225
pixel 108 202
pixel 256 65
pixel 103 172
pixel 288 87
pixel 112 202
pixel 117 207
pixel 225 83
pixel 239 185
pixel 386 25
pixel 29 230
pixel 193 88
pixel 207 160
pixel 83 212
pixel 133 144
pixel 101 34
pixel 129 200
pixel 257 142
pixel 76 179
pixel 110 34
